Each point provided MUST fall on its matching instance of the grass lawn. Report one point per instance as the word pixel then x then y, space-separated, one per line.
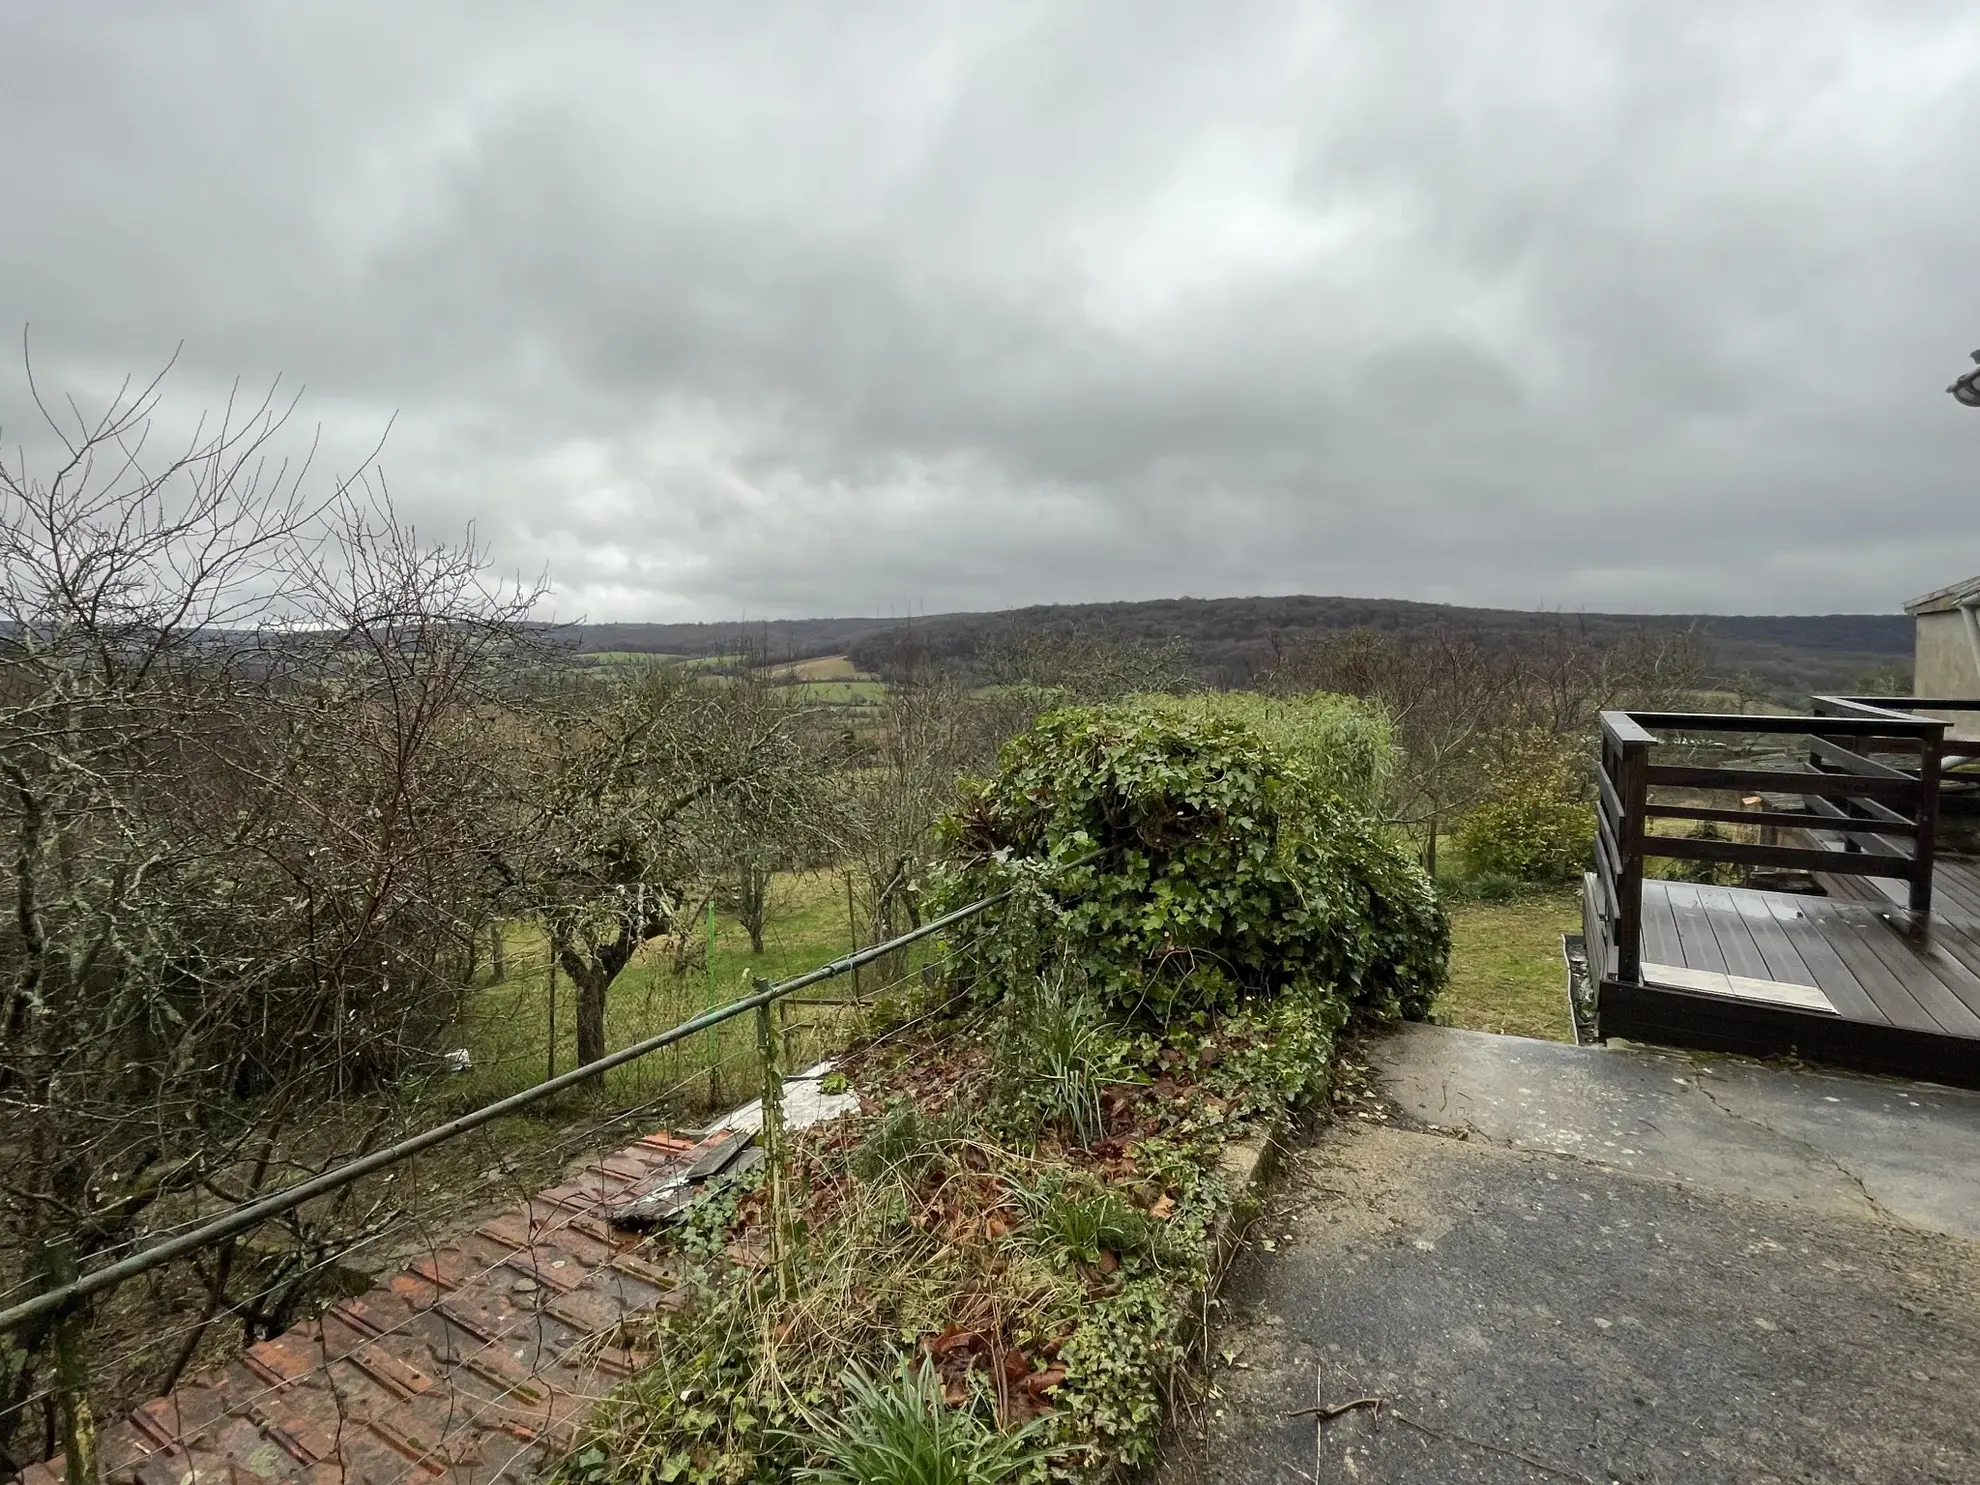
pixel 506 1027
pixel 1506 976
pixel 1506 970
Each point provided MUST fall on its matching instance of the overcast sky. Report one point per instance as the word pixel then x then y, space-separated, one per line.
pixel 753 310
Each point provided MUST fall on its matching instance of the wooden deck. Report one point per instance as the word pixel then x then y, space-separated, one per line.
pixel 1883 974
pixel 1955 888
pixel 1771 973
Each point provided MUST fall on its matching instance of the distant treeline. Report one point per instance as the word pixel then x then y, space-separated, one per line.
pixel 1232 641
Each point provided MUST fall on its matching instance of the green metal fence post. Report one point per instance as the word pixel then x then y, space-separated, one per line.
pixel 773 1146
pixel 714 1075
pixel 78 1424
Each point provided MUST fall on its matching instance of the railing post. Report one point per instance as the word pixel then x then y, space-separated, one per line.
pixel 1634 790
pixel 1924 846
pixel 768 1049
pixel 78 1423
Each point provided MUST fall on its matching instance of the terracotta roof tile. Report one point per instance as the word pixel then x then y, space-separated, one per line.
pixel 474 1364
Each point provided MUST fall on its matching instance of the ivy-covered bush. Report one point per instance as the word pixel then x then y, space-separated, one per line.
pixel 1345 746
pixel 1230 869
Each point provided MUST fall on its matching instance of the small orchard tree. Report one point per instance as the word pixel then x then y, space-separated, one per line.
pixel 777 812
pixel 900 777
pixel 939 721
pixel 1443 692
pixel 1460 699
pixel 631 797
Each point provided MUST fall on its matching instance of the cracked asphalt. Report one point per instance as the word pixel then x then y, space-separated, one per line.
pixel 1533 1262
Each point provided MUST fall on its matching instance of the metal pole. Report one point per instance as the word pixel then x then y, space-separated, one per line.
pixel 550 1065
pixel 852 929
pixel 773 1149
pixel 58 1263
pixel 708 1055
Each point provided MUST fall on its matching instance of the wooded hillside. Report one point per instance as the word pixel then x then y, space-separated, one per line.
pixel 1232 640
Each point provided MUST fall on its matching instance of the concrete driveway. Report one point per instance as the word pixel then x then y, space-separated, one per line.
pixel 1529 1262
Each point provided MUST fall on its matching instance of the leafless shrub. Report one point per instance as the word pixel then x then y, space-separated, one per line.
pixel 1460 699
pixel 1081 665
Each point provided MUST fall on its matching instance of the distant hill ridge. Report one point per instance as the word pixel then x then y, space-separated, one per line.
pixel 1233 638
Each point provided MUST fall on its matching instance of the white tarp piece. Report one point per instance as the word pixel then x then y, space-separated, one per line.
pixel 805 1103
pixel 1740 987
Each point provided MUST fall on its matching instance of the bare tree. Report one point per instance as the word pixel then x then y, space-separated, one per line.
pixel 1459 699
pixel 1086 665
pixel 630 801
pixel 783 817
pixel 933 726
pixel 1443 690
pixel 239 744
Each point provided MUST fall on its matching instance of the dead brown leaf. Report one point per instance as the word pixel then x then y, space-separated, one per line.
pixel 1040 1383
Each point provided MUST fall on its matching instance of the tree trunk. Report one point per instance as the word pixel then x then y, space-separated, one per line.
pixel 591 988
pixel 753 902
pixel 1430 849
pixel 498 956
pixel 592 971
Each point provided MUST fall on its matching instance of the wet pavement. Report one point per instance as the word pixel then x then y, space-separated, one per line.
pixel 1540 1263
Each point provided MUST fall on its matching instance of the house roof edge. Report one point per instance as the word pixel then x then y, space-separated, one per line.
pixel 1941 599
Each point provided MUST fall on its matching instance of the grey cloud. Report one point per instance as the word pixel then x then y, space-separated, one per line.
pixel 805 309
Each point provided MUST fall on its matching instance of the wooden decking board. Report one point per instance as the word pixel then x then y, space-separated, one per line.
pixel 1961 941
pixel 1880 892
pixel 1739 987
pixel 1941 946
pixel 1845 930
pixel 1926 973
pixel 1833 943
pixel 1694 930
pixel 1906 995
pixel 1783 960
pixel 1955 884
pixel 1660 933
pixel 1957 879
pixel 1834 977
pixel 1954 973
pixel 1844 888
pixel 1736 941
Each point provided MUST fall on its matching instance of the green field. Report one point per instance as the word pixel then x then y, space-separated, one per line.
pixel 821 668
pixel 627 657
pixel 1506 969
pixel 506 1027
pixel 841 693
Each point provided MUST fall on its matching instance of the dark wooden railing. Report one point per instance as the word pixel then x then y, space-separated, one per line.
pixel 1963 750
pixel 1886 812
